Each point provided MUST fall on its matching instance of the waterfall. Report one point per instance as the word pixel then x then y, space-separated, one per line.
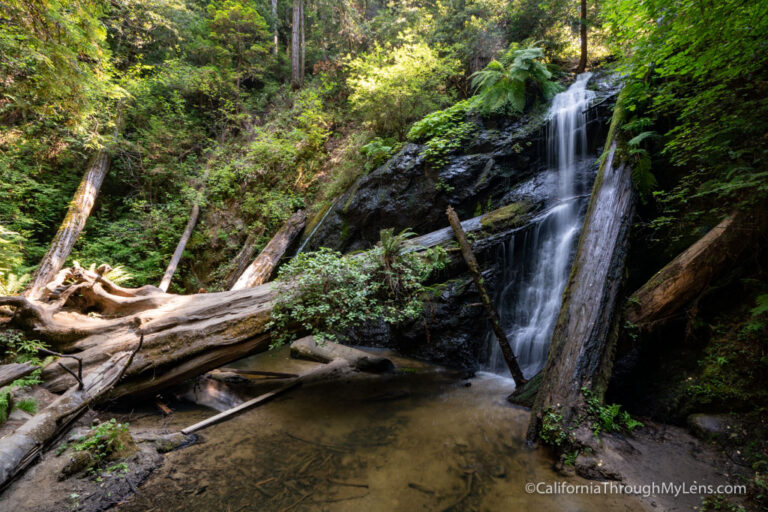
pixel 536 263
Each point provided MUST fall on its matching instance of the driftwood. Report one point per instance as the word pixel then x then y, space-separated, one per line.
pixel 74 221
pixel 262 268
pixel 490 311
pixel 686 276
pixel 20 448
pixel 244 258
pixel 308 348
pixel 581 350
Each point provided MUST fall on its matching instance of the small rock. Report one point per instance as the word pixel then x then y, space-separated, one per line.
pixel 78 461
pixel 711 426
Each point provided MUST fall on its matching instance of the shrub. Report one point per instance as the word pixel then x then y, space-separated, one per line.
pixel 330 293
pixel 392 87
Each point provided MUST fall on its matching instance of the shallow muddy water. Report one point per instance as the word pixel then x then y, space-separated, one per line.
pixel 422 439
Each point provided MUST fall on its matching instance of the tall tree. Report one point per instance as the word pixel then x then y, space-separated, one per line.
pixel 274 26
pixel 583 35
pixel 297 45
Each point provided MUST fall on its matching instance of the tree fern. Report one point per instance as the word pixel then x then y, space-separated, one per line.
pixel 502 86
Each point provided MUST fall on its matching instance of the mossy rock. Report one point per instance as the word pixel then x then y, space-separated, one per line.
pixel 511 216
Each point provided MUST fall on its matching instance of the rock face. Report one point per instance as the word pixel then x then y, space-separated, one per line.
pixel 504 164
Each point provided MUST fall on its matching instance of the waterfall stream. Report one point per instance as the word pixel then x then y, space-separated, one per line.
pixel 536 262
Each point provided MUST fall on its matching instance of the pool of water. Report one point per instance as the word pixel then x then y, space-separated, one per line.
pixel 421 439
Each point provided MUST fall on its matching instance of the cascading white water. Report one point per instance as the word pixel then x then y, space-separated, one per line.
pixel 536 263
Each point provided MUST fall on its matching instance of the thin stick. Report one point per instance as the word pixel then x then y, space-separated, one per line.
pixel 79 360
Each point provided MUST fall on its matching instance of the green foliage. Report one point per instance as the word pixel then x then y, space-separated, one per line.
pixel 102 440
pixel 17 348
pixel 503 86
pixel 378 151
pixel 28 405
pixel 608 417
pixel 330 293
pixel 552 431
pixel 392 87
pixel 438 123
pixel 437 149
pixel 698 73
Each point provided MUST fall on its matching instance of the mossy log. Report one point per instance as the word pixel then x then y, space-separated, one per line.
pixel 581 350
pixel 263 267
pixel 688 275
pixel 74 221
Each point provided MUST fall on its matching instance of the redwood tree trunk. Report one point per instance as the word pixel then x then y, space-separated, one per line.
pixel 274 28
pixel 581 350
pixel 296 71
pixel 262 268
pixel 583 36
pixel 77 214
pixel 686 276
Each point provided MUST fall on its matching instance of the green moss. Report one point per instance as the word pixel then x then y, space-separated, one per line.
pixel 510 216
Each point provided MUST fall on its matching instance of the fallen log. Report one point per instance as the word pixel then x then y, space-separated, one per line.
pixel 308 348
pixel 165 282
pixel 13 371
pixel 686 276
pixel 581 351
pixel 74 221
pixel 244 258
pixel 22 447
pixel 262 268
pixel 490 311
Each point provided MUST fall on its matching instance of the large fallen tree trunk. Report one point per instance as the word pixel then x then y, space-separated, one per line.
pixel 262 268
pixel 581 350
pixel 74 221
pixel 20 448
pixel 243 259
pixel 308 348
pixel 686 276
pixel 81 312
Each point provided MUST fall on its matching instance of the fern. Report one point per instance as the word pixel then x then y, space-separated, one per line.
pixel 502 86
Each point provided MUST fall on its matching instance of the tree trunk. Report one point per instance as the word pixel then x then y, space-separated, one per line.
pixel 77 214
pixel 583 36
pixel 303 48
pixel 686 276
pixel 83 313
pixel 262 268
pixel 308 348
pixel 243 259
pixel 274 28
pixel 296 45
pixel 176 258
pixel 20 448
pixel 581 350
pixel 493 316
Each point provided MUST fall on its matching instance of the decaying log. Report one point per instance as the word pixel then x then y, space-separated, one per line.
pixel 165 282
pixel 20 448
pixel 244 258
pixel 308 348
pixel 262 268
pixel 13 371
pixel 581 350
pixel 74 221
pixel 686 276
pixel 490 311
pixel 185 336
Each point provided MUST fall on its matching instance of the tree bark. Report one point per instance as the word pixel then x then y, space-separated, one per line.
pixel 176 258
pixel 77 214
pixel 20 448
pixel 274 28
pixel 581 350
pixel 686 276
pixel 493 316
pixel 243 259
pixel 262 268
pixel 303 47
pixel 296 71
pixel 583 36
